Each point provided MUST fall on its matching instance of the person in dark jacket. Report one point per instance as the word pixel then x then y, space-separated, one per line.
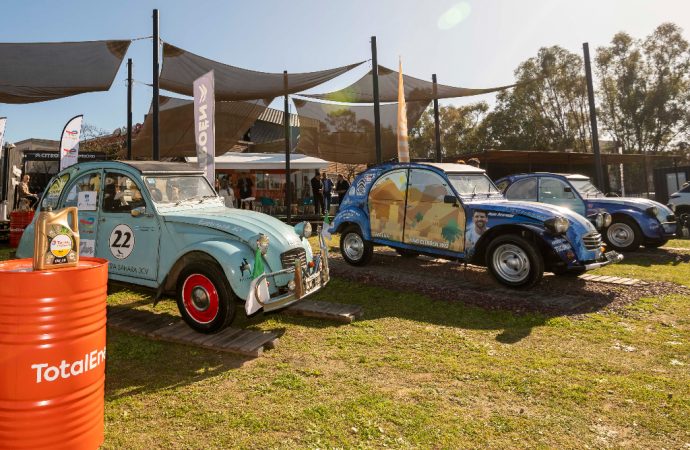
pixel 327 189
pixel 317 191
pixel 341 187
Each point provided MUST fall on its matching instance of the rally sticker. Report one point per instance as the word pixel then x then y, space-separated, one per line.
pixel 121 241
pixel 60 245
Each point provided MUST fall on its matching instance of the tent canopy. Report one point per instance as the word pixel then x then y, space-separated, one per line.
pixel 37 72
pixel 233 119
pixel 362 91
pixel 181 68
pixel 346 133
pixel 265 161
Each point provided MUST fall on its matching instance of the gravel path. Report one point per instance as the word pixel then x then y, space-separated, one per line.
pixel 450 281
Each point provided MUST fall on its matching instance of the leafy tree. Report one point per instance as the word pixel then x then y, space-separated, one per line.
pixel 95 139
pixel 547 110
pixel 644 93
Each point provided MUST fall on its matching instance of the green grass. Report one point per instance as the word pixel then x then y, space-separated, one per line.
pixel 413 372
pixel 678 243
pixel 659 265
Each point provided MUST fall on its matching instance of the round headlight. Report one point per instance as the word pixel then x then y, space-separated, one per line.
pixel 557 225
pixel 599 221
pixel 652 211
pixel 262 243
pixel 303 229
pixel 607 220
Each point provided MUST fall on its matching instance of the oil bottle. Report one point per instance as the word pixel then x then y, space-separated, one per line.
pixel 56 239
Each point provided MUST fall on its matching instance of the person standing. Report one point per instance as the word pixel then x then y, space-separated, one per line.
pixel 341 187
pixel 327 190
pixel 228 194
pixel 246 188
pixel 317 191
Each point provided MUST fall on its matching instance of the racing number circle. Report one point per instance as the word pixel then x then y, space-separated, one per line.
pixel 121 241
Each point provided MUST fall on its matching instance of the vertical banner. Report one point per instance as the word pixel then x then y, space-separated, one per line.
pixel 403 144
pixel 204 124
pixel 3 121
pixel 69 142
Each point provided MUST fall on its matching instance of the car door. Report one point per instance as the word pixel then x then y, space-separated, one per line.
pixel 430 221
pixel 387 205
pixel 84 193
pixel 130 243
pixel 557 192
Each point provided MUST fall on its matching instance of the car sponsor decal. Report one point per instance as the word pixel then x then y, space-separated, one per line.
pixel 244 266
pixel 121 241
pixel 87 247
pixel 87 225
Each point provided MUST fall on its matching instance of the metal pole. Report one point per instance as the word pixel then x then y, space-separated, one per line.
pixel 156 57
pixel 437 123
pixel 646 173
pixel 377 112
pixel 286 120
pixel 620 167
pixel 129 108
pixel 593 118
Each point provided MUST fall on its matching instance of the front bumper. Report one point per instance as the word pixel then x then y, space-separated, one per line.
pixel 606 259
pixel 305 282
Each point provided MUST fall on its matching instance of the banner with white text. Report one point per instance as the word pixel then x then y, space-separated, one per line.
pixel 204 124
pixel 69 142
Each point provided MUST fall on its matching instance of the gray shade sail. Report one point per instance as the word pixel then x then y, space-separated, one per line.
pixel 37 72
pixel 361 91
pixel 181 68
pixel 346 133
pixel 233 119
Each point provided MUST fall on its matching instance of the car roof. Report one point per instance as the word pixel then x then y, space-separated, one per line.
pixel 150 167
pixel 569 176
pixel 455 168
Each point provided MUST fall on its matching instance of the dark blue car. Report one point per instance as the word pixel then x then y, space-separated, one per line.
pixel 633 221
pixel 455 211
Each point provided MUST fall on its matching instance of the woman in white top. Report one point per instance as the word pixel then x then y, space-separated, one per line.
pixel 228 195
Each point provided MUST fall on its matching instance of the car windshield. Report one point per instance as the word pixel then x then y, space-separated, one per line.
pixel 178 188
pixel 472 185
pixel 586 188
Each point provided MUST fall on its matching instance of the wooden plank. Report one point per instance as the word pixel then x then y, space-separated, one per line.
pixel 259 340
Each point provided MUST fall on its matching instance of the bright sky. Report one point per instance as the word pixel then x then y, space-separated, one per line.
pixel 475 43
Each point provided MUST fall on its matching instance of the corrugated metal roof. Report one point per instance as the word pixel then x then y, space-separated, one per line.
pixel 277 116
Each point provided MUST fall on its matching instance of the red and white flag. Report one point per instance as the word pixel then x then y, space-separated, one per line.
pixel 403 144
pixel 69 142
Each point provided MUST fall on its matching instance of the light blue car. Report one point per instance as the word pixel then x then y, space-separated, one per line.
pixel 162 226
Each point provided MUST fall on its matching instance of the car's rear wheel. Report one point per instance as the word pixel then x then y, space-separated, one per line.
pixel 514 261
pixel 355 249
pixel 623 235
pixel 204 297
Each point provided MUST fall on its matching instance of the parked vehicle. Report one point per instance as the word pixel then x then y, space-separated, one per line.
pixel 162 226
pixel 634 221
pixel 455 211
pixel 680 201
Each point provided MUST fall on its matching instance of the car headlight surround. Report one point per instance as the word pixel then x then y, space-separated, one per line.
pixel 652 211
pixel 262 243
pixel 599 221
pixel 303 229
pixel 557 225
pixel 607 219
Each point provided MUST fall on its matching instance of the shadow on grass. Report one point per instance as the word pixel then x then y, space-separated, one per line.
pixel 656 256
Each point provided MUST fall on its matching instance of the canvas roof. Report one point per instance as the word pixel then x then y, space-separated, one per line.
pixel 265 161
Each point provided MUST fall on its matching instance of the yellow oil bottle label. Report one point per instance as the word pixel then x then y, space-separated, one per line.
pixel 60 246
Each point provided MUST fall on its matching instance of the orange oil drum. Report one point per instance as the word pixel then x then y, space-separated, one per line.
pixel 52 355
pixel 19 220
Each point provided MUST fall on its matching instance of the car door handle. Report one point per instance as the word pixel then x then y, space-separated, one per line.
pixel 102 219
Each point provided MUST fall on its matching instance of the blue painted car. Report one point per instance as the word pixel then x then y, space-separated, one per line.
pixel 633 222
pixel 162 226
pixel 454 211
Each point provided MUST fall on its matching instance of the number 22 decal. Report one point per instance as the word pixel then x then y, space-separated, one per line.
pixel 121 241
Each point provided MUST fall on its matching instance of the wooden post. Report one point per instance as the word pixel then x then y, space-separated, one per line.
pixel 593 119
pixel 437 124
pixel 129 108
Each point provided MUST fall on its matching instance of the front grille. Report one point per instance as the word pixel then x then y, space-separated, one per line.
pixel 592 240
pixel 288 258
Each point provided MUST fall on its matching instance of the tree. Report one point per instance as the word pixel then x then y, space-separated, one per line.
pixel 95 139
pixel 644 92
pixel 459 131
pixel 547 110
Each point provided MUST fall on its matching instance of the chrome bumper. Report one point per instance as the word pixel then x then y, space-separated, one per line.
pixel 306 281
pixel 611 257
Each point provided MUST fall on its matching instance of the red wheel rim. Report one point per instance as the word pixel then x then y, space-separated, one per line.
pixel 200 298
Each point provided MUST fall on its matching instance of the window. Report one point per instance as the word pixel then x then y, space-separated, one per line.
pixel 50 199
pixel 525 189
pixel 554 189
pixel 84 192
pixel 427 186
pixel 121 194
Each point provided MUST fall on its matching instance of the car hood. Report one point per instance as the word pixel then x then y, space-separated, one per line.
pixel 637 203
pixel 244 224
pixel 534 210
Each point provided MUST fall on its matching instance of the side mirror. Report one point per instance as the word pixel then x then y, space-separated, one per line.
pixel 138 211
pixel 451 199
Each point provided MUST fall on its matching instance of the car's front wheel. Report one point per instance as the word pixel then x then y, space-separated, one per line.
pixel 623 235
pixel 354 248
pixel 204 297
pixel 514 261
